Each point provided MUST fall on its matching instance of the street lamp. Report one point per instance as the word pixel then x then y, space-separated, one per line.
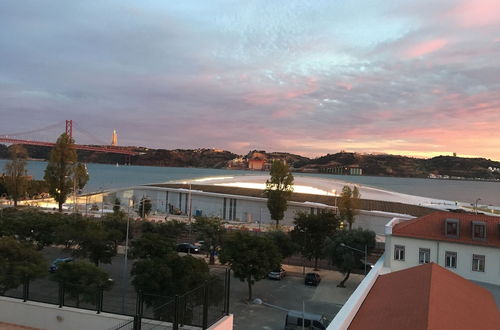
pixel 475 206
pixel 125 264
pixel 335 199
pixel 304 250
pixel 365 252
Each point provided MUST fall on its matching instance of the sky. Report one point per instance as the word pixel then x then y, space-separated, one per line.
pixel 418 78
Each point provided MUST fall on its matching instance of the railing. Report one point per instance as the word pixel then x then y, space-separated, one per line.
pixel 200 307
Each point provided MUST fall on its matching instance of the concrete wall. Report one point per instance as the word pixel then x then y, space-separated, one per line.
pixel 226 323
pixel 438 251
pixel 50 317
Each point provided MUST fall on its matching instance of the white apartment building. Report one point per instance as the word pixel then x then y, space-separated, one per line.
pixel 467 244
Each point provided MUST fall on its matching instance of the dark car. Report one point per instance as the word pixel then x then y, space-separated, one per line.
pixel 55 264
pixel 312 279
pixel 188 248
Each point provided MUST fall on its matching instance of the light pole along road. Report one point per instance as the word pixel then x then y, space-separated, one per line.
pixel 365 252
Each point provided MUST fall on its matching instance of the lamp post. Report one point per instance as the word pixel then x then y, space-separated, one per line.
pixel 335 199
pixel 125 263
pixel 304 251
pixel 475 205
pixel 365 252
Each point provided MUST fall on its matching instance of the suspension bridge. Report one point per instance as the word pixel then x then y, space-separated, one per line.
pixel 14 138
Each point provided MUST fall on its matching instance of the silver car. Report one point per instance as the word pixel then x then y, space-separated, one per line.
pixel 277 274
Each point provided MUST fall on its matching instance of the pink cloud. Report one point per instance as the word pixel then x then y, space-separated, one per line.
pixel 470 13
pixel 425 48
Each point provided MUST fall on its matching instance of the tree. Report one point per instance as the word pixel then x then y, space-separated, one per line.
pixel 161 273
pixel 82 280
pixel 145 207
pixel 278 190
pixel 286 246
pixel 349 204
pixel 311 231
pixel 171 229
pixel 212 232
pixel 37 228
pixel 250 257
pixel 81 175
pixel 18 262
pixel 16 178
pixel 95 244
pixel 150 246
pixel 60 169
pixel 347 259
pixel 115 225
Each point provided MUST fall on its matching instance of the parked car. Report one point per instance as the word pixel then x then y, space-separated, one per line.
pixel 188 248
pixel 294 320
pixel 55 264
pixel 277 274
pixel 312 279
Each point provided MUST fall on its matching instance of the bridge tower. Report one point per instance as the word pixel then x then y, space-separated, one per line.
pixel 114 139
pixel 69 128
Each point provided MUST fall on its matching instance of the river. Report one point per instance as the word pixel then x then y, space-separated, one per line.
pixel 104 176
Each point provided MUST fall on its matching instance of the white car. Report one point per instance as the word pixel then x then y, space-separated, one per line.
pixel 277 274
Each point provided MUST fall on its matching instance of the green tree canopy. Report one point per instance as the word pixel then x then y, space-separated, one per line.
pixel 170 229
pixel 286 246
pixel 212 232
pixel 279 189
pixel 18 262
pixel 347 259
pixel 250 257
pixel 95 244
pixel 16 175
pixel 349 204
pixel 60 169
pixel 150 246
pixel 310 233
pixel 30 225
pixel 82 280
pixel 160 276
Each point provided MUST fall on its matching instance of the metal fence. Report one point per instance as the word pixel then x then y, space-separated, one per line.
pixel 200 307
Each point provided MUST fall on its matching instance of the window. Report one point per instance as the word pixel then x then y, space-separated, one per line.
pixel 450 259
pixel 478 230
pixel 424 256
pixel 478 263
pixel 399 252
pixel 451 228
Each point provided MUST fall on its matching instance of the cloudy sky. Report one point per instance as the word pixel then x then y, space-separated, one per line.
pixel 311 77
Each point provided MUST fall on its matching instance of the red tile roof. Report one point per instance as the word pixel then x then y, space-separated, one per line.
pixel 432 227
pixel 426 297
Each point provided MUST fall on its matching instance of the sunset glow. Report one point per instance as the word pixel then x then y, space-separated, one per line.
pixel 418 78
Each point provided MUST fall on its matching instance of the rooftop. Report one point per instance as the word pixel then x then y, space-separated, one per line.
pixel 432 227
pixel 426 297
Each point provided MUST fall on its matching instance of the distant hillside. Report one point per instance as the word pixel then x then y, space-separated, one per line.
pixel 209 158
pixel 402 166
pixel 370 164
